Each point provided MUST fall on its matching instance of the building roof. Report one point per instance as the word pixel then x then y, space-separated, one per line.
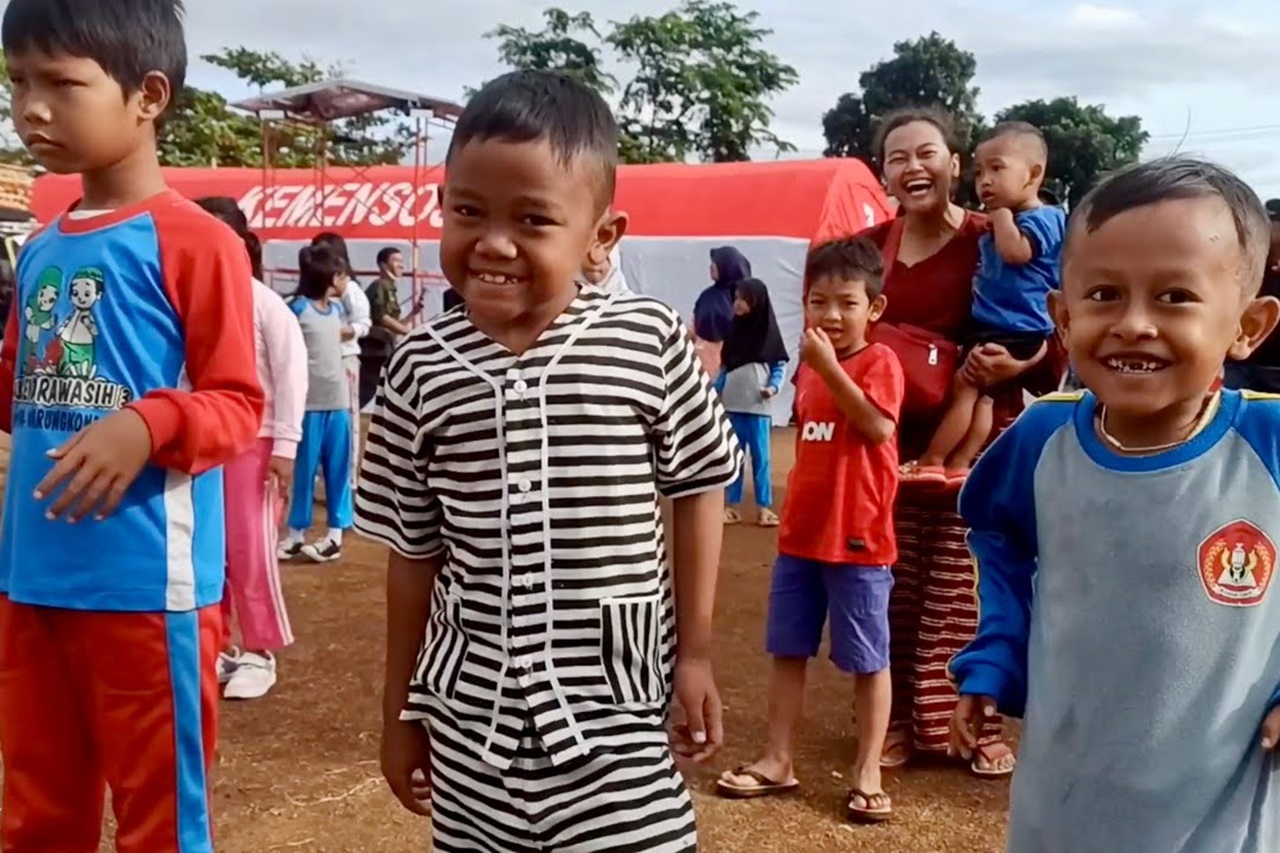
pixel 330 100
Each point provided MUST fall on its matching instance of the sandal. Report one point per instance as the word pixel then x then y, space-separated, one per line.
pixel 768 518
pixel 871 812
pixel 914 472
pixel 987 758
pixel 897 749
pixel 956 477
pixel 732 516
pixel 763 787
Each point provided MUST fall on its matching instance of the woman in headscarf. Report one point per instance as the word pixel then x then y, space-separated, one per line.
pixel 713 312
pixel 753 362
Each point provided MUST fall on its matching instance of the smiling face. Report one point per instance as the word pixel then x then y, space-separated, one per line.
pixel 518 227
pixel 73 117
pixel 1153 301
pixel 842 309
pixel 919 168
pixel 84 293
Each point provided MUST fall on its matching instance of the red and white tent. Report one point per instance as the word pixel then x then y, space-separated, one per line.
pixel 771 211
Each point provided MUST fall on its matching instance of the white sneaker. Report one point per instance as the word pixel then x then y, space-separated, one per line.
pixel 227 663
pixel 324 551
pixel 254 677
pixel 289 550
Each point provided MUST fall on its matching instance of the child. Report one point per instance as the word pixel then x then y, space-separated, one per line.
pixel 257 484
pixel 514 467
pixel 752 363
pixel 837 541
pixel 1125 539
pixel 1018 269
pixel 112 546
pixel 326 427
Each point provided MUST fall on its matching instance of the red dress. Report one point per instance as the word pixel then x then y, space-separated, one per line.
pixel 933 613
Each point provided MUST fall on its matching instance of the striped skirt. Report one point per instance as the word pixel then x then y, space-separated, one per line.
pixel 933 614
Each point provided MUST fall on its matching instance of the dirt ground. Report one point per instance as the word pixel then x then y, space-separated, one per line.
pixel 297 771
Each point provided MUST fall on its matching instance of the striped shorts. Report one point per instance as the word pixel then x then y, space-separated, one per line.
pixel 631 798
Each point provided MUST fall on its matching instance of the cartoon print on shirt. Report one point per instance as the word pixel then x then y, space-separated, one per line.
pixel 39 317
pixel 79 331
pixel 64 372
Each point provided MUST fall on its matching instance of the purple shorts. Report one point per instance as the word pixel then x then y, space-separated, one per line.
pixel 802 595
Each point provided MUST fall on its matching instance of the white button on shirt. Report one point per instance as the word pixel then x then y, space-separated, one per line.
pixel 566 583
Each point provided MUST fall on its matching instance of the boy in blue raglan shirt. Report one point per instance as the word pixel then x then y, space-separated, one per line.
pixel 1125 540
pixel 125 388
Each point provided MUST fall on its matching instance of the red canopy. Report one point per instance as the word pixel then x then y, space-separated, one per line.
pixel 809 199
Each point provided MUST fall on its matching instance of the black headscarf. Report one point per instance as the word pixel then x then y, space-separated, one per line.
pixel 753 338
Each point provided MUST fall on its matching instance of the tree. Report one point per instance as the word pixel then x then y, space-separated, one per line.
pixel 12 150
pixel 204 130
pixel 701 85
pixel 1084 142
pixel 928 72
pixel 557 48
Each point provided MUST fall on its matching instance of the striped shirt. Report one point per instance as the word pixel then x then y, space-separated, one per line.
pixel 538 477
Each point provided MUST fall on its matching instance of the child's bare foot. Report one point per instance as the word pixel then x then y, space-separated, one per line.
pixel 767 777
pixel 768 518
pixel 897 748
pixel 993 761
pixel 732 516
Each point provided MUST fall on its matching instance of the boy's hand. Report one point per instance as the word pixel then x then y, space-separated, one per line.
pixel 768 391
pixel 1271 730
pixel 280 475
pixel 966 724
pixel 701 735
pixel 406 764
pixel 102 461
pixel 1001 216
pixel 817 351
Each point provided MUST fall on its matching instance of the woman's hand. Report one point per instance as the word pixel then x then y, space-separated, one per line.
pixel 991 364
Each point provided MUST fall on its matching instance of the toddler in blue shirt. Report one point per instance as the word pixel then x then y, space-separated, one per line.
pixel 1017 270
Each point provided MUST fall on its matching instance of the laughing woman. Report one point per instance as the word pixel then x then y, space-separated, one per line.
pixel 931 253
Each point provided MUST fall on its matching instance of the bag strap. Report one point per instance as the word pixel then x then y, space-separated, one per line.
pixel 893 242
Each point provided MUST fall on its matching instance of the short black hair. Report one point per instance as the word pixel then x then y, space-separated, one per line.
pixel 128 38
pixel 527 106
pixel 318 268
pixel 847 259
pixel 1179 178
pixel 1020 129
pixel 384 255
pixel 936 116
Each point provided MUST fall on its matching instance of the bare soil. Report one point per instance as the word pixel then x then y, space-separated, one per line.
pixel 297 771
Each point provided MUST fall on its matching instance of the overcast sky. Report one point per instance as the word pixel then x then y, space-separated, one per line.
pixel 1209 69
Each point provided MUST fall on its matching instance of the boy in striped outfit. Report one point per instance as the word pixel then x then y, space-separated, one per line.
pixel 514 467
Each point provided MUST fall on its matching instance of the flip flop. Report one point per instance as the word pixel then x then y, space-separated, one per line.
pixel 869 815
pixel 900 746
pixel 983 773
pixel 763 787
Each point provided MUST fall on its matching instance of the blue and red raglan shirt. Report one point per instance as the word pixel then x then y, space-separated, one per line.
pixel 150 308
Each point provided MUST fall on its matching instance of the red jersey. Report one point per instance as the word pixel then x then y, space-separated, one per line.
pixel 840 494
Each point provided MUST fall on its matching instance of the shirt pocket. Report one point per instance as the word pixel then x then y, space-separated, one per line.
pixel 445 652
pixel 630 639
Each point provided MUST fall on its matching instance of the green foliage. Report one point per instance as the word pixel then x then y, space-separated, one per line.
pixel 203 129
pixel 12 150
pixel 1084 142
pixel 928 72
pixel 701 83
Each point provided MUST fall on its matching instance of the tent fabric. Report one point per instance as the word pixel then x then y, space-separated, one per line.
pixel 772 212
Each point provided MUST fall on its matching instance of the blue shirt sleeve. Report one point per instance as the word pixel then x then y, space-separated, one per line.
pixel 777 371
pixel 1046 228
pixel 721 378
pixel 297 305
pixel 998 506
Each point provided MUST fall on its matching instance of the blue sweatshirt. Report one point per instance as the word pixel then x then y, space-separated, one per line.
pixel 1128 613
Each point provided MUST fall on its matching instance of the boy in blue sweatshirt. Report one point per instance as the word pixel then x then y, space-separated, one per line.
pixel 1125 539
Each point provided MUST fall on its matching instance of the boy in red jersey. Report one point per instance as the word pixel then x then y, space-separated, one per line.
pixel 836 543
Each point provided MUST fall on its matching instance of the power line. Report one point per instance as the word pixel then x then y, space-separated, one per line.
pixel 1227 131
